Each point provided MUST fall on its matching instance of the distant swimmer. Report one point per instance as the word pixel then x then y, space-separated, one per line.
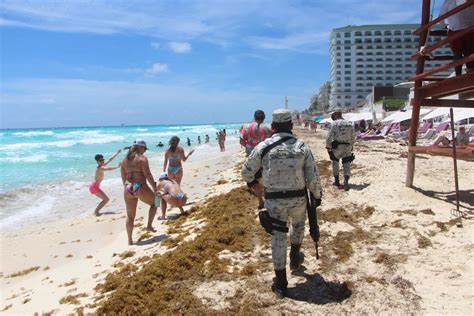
pixel 94 187
pixel 199 139
pixel 135 173
pixel 173 160
pixel 206 139
pixel 160 144
pixel 171 194
pixel 188 141
pixel 221 139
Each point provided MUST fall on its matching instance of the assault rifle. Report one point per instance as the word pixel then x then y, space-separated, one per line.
pixel 311 204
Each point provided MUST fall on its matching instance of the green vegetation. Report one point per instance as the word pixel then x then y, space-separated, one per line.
pixel 392 104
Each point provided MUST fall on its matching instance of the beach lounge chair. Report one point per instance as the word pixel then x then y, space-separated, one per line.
pixel 426 126
pixel 382 134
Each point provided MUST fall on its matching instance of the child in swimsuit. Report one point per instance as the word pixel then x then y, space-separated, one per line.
pixel 94 187
pixel 173 160
pixel 170 193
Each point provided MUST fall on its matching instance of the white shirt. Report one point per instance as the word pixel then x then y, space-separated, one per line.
pixel 461 20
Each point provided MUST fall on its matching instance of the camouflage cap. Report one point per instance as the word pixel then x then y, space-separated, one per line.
pixel 281 116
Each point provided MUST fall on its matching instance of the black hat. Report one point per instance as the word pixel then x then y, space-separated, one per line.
pixel 259 114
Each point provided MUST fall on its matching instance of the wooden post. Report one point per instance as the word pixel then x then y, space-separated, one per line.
pixel 417 99
pixel 456 183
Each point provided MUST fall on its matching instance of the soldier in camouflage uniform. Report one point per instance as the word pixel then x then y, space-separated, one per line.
pixel 288 169
pixel 339 143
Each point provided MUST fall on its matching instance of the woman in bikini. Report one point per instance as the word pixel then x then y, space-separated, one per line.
pixel 135 173
pixel 171 194
pixel 94 187
pixel 173 157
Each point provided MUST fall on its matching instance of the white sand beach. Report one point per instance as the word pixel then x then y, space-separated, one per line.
pixel 398 250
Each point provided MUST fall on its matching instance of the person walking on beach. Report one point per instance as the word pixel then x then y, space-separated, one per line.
pixel 135 173
pixel 188 141
pixel 173 160
pixel 94 187
pixel 221 139
pixel 340 143
pixel 250 136
pixel 170 193
pixel 288 169
pixel 199 139
pixel 206 139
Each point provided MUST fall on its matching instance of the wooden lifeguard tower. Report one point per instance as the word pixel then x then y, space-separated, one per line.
pixel 430 91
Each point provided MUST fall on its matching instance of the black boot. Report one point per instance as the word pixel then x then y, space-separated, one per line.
pixel 280 284
pixel 346 183
pixel 296 257
pixel 336 181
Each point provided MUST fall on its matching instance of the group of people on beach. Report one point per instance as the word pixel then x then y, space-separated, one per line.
pixel 139 183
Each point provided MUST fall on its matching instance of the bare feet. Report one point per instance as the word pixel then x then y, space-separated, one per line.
pixel 151 229
pixel 130 242
pixel 97 213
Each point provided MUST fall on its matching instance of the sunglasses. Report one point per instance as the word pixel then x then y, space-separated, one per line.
pixel 100 160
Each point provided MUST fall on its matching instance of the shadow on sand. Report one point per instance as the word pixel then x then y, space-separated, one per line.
pixel 359 187
pixel 152 240
pixel 465 196
pixel 316 290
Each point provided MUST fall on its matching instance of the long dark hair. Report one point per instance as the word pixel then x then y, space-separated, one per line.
pixel 132 150
pixel 174 141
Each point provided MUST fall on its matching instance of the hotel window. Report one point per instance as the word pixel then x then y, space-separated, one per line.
pixel 360 97
pixel 406 32
pixel 347 34
pixel 397 33
pixel 347 41
pixel 368 33
pixel 347 54
pixel 347 84
pixel 347 78
pixel 348 104
pixel 378 33
pixel 387 33
pixel 347 60
pixel 347 47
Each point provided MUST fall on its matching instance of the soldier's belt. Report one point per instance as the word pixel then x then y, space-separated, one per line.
pixel 285 194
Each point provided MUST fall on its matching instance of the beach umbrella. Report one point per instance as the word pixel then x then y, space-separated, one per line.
pixel 436 113
pixel 367 116
pixel 326 120
pixel 318 119
pixel 400 116
pixel 462 114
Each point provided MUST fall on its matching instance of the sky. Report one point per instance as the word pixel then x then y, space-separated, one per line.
pixel 97 63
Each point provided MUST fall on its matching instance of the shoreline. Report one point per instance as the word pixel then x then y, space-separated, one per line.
pixel 70 196
pixel 80 250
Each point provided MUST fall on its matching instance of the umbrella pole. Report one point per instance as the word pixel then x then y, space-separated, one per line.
pixel 456 183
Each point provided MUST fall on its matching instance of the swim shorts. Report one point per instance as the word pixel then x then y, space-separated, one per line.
pixel 94 188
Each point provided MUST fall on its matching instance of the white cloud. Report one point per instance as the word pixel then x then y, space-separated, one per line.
pixel 234 22
pixel 157 69
pixel 155 45
pixel 180 47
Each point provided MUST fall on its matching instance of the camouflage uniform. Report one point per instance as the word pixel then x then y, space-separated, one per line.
pixel 341 131
pixel 287 167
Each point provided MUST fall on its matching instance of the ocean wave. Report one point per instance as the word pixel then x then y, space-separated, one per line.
pixel 33 133
pixel 79 134
pixel 102 139
pixel 142 129
pixel 42 205
pixel 28 159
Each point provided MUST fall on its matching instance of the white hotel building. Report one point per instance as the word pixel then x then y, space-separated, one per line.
pixel 372 55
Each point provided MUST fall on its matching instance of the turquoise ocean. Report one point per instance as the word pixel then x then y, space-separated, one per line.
pixel 38 167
